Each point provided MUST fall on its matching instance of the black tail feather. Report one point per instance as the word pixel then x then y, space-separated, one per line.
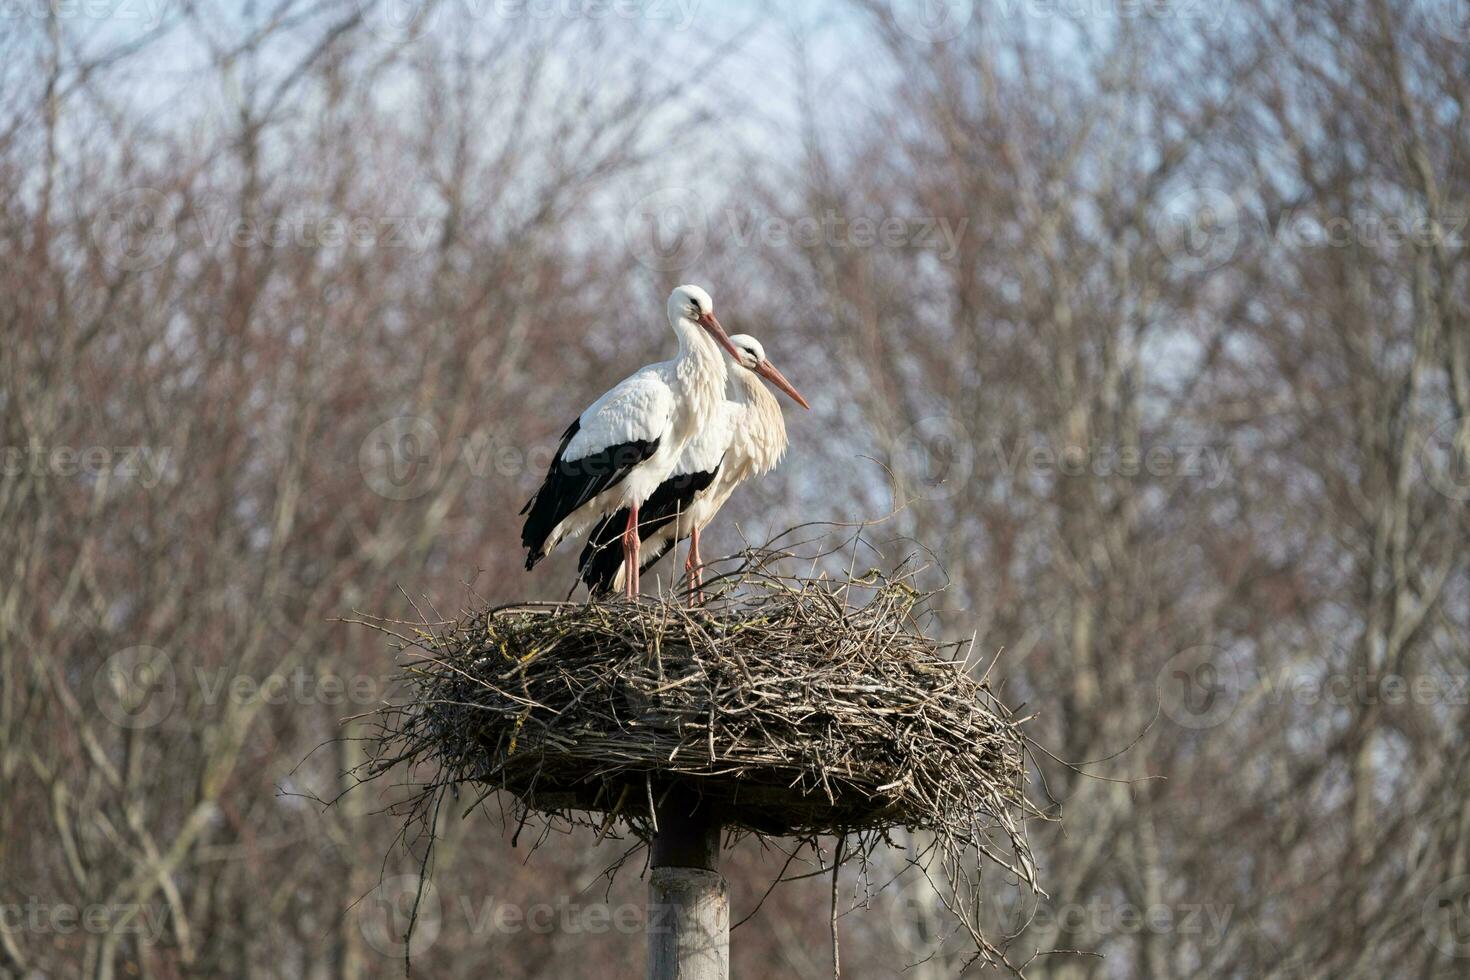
pixel 570 484
pixel 603 556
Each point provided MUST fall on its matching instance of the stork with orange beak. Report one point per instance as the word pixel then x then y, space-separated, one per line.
pixel 745 439
pixel 621 449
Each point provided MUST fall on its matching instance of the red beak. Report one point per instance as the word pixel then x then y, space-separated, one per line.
pixel 710 324
pixel 768 371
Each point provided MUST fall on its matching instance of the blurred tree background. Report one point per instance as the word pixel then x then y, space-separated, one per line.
pixel 1149 319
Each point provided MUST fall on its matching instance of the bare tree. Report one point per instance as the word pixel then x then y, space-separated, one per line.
pixel 1149 320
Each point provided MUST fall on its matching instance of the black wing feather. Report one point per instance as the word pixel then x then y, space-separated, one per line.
pixel 603 555
pixel 571 484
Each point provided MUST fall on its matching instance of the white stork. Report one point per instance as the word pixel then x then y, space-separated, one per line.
pixel 745 438
pixel 618 451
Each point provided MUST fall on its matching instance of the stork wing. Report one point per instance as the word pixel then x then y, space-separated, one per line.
pixel 622 429
pixel 637 409
pixel 699 464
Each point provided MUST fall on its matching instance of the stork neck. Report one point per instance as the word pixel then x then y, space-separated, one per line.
pixel 699 370
pixel 693 341
pixel 764 427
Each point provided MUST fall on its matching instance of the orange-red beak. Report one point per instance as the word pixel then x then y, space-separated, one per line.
pixel 712 326
pixel 768 371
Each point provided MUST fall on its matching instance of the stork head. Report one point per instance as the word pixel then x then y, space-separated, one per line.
pixel 690 304
pixel 752 357
pixel 690 301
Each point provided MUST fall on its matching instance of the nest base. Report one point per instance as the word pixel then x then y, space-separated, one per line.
pixel 785 707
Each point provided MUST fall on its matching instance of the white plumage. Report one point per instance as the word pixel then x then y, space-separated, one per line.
pixel 641 409
pixel 619 451
pixel 744 438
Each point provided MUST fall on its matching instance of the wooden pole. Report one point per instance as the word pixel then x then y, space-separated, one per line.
pixel 688 898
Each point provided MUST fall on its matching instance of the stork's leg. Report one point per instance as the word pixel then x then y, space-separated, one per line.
pixel 630 553
pixel 696 568
pixel 691 569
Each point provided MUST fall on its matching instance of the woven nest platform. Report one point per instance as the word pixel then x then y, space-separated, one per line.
pixel 793 706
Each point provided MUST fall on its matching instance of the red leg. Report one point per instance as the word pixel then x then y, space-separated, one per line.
pixel 630 553
pixel 691 570
pixel 696 572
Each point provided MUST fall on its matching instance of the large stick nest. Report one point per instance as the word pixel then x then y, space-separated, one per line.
pixel 793 706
